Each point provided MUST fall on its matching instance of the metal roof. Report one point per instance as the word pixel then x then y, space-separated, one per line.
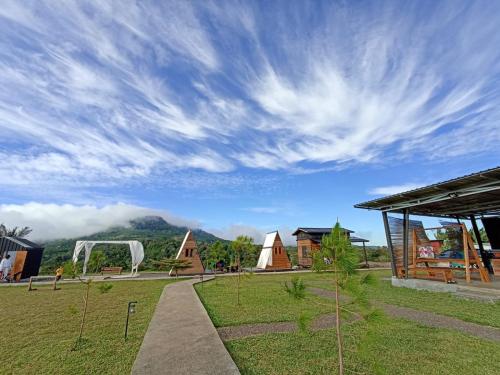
pixel 357 239
pixel 23 242
pixel 318 230
pixel 11 244
pixel 473 194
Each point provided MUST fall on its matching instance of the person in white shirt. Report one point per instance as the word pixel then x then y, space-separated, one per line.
pixel 5 266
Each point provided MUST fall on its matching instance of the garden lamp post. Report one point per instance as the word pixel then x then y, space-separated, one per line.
pixel 130 310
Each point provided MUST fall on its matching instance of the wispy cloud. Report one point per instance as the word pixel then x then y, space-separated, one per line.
pixel 394 189
pixel 102 93
pixel 264 210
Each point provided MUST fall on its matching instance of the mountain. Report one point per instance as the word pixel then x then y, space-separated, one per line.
pixel 160 239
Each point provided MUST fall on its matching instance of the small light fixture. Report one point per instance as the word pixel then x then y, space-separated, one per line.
pixel 130 310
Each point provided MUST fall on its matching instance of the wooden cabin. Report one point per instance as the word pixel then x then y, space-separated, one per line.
pixel 309 240
pixel 189 251
pixel 26 256
pixel 273 256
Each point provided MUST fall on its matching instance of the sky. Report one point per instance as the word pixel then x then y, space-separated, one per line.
pixel 239 117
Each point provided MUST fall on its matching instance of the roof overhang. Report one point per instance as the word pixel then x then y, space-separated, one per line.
pixel 472 195
pixel 318 230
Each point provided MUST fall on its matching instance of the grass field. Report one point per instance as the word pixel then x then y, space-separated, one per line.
pixel 386 346
pixel 262 300
pixel 42 326
pixel 440 303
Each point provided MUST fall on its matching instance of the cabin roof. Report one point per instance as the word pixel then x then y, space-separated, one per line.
pixel 270 238
pixel 317 230
pixel 16 243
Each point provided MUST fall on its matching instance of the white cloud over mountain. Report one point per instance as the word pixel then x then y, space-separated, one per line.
pixel 52 221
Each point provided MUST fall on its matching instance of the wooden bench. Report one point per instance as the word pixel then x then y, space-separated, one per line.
pixel 42 278
pixel 115 270
pixel 439 273
pixel 495 263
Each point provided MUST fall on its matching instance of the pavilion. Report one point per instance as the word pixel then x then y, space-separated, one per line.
pixel 468 198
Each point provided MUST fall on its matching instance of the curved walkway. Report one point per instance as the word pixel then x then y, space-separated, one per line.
pixel 428 318
pixel 181 338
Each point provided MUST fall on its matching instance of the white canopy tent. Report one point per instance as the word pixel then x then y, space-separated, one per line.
pixel 136 250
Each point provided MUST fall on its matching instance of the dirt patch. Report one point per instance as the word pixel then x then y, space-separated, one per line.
pixel 246 330
pixel 441 321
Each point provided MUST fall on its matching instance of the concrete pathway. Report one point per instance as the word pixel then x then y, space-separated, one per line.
pixel 181 338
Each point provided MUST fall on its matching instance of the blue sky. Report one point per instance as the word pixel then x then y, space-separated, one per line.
pixel 239 117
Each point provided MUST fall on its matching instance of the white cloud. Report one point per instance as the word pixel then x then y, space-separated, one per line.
pixel 264 210
pixel 394 189
pixel 257 233
pixel 51 221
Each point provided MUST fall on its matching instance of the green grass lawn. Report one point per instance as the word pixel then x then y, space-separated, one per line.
pixel 442 303
pixel 263 300
pixel 396 347
pixel 387 346
pixel 40 328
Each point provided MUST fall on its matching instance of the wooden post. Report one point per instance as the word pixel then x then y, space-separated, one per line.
pixel 366 258
pixel 389 243
pixel 414 263
pixel 406 238
pixel 29 286
pixel 484 255
pixel 466 253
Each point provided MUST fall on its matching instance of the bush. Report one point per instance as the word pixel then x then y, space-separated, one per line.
pixel 297 290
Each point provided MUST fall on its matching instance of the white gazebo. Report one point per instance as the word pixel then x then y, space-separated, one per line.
pixel 136 250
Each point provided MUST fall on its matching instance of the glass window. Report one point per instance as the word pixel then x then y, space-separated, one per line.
pixel 305 251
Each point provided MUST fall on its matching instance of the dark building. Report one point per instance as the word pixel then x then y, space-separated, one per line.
pixel 309 240
pixel 25 255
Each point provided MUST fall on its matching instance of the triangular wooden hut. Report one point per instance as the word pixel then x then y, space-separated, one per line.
pixel 189 251
pixel 273 256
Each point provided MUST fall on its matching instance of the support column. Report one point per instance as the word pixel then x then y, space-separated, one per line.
pixel 406 239
pixel 366 258
pixel 389 243
pixel 484 255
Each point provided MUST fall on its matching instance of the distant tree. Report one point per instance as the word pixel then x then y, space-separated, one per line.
pixel 96 261
pixel 172 264
pixel 215 253
pixel 242 247
pixel 14 232
pixel 482 232
pixel 292 254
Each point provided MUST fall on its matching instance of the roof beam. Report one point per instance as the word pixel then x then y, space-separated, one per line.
pixel 483 188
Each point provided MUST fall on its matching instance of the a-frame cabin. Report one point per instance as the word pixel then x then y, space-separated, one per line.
pixel 189 251
pixel 273 256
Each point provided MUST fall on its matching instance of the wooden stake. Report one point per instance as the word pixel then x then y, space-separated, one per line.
pixel 466 253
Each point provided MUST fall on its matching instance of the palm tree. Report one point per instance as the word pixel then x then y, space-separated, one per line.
pixel 14 232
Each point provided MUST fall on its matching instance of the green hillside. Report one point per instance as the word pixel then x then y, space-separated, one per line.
pixel 160 239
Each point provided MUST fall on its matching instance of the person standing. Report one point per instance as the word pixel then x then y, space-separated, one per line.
pixel 59 273
pixel 5 267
